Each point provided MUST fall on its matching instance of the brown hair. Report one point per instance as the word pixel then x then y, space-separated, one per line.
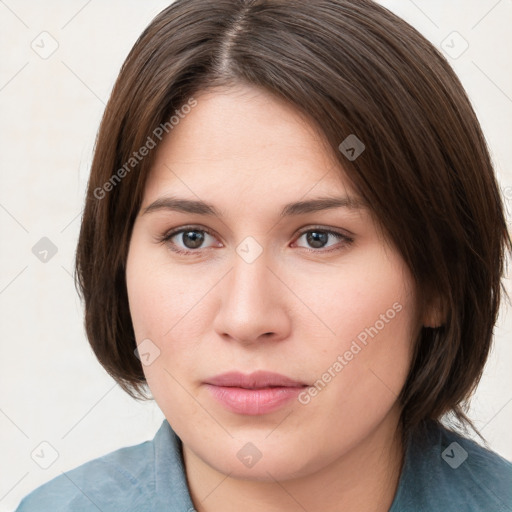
pixel 352 67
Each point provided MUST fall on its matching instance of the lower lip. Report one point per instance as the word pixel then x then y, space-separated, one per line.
pixel 253 402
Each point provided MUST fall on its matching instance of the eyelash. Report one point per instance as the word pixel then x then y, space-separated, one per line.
pixel 166 237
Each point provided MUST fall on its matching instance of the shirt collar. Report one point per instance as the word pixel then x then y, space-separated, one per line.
pixel 170 480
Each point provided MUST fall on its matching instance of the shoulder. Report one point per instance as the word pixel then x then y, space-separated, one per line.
pixel 446 471
pixel 124 476
pixel 481 477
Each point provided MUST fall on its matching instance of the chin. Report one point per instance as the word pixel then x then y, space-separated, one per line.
pixel 268 464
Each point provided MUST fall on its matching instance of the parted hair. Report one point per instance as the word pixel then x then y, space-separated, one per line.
pixel 351 67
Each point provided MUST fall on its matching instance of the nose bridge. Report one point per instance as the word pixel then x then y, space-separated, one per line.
pixel 249 283
pixel 250 303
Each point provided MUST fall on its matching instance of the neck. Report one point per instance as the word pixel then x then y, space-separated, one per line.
pixel 364 478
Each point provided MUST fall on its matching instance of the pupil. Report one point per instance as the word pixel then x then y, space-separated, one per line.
pixel 196 239
pixel 317 239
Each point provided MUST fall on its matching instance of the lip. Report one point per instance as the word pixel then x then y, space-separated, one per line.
pixel 254 394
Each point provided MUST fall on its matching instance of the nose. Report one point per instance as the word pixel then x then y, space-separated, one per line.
pixel 252 304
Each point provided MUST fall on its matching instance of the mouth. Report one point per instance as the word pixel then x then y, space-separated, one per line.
pixel 254 394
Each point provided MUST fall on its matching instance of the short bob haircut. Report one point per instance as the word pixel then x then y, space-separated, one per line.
pixel 351 67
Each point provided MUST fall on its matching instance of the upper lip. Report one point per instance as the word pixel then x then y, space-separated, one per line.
pixel 256 380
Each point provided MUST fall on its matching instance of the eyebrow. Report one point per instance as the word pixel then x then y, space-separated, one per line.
pixel 296 208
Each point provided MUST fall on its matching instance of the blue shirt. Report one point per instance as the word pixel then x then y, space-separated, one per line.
pixel 442 471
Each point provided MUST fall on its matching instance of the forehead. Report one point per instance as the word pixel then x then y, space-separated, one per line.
pixel 245 139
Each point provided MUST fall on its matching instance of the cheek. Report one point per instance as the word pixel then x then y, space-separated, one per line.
pixel 162 303
pixel 167 307
pixel 162 297
pixel 369 297
pixel 367 314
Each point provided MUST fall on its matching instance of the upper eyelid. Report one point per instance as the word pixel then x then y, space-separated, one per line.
pixel 176 231
pixel 193 227
pixel 335 231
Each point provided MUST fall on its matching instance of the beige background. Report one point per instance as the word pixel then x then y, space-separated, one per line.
pixel 52 388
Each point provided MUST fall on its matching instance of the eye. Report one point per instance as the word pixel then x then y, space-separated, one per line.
pixel 191 239
pixel 187 240
pixel 319 238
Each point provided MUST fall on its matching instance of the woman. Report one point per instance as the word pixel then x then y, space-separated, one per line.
pixel 293 237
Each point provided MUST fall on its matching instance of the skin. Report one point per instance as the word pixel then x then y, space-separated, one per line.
pixel 293 310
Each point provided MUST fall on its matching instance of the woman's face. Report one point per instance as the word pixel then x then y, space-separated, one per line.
pixel 276 278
